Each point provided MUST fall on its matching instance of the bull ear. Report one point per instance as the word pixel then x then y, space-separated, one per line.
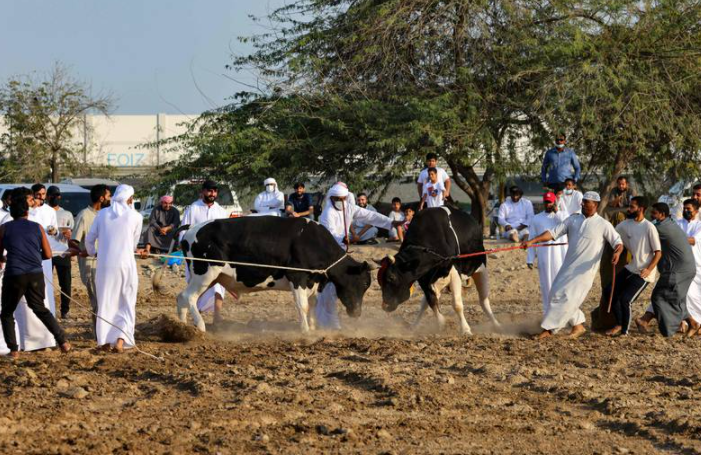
pixel 372 265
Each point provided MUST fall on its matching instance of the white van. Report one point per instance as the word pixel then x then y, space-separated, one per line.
pixel 186 192
pixel 73 197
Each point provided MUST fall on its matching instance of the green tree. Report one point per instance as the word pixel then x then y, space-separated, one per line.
pixel 42 117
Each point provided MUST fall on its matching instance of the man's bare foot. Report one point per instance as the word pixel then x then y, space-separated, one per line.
pixel 65 347
pixel 642 325
pixel 14 355
pixel 543 335
pixel 119 346
pixel 694 328
pixel 683 327
pixel 614 331
pixel 577 331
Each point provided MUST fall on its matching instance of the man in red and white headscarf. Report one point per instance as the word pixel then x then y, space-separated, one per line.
pixel 338 215
pixel 164 221
pixel 117 229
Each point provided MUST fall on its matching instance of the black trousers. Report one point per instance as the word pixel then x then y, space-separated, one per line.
pixel 63 271
pixel 31 287
pixel 628 287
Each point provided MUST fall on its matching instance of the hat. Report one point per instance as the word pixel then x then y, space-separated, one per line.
pixel 269 181
pixel 592 196
pixel 53 191
pixel 338 190
pixel 167 199
pixel 210 185
pixel 549 197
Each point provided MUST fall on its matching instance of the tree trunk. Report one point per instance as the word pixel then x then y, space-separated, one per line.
pixel 55 173
pixel 618 168
pixel 467 180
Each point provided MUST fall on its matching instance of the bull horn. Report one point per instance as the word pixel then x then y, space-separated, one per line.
pixel 372 265
pixel 391 258
pixel 378 262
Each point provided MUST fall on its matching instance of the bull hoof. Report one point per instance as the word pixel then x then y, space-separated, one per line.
pixel 466 332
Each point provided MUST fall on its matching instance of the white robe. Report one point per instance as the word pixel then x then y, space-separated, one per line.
pixel 573 202
pixel 269 203
pixel 693 296
pixel 199 212
pixel 117 278
pixel 587 238
pixel 515 214
pixel 33 334
pixel 333 221
pixel 550 258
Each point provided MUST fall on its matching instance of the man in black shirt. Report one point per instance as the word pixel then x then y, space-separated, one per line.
pixel 299 203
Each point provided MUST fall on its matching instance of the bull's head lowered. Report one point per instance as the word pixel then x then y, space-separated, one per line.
pixel 398 274
pixel 352 279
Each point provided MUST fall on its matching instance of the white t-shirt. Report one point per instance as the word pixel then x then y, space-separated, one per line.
pixel 434 193
pixel 396 216
pixel 423 176
pixel 641 240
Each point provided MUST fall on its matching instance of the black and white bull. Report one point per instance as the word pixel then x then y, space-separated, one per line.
pixel 295 243
pixel 427 255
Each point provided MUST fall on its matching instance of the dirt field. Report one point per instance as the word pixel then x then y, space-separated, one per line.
pixel 376 387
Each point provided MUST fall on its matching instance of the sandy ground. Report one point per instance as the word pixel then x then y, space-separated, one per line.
pixel 376 387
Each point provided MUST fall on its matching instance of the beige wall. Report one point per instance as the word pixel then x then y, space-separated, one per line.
pixel 113 141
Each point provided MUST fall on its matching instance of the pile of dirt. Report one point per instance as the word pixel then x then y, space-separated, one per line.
pixel 169 329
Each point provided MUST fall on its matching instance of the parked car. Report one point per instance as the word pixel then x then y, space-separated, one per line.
pixel 73 197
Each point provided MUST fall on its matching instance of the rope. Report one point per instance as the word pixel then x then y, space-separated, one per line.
pixel 499 250
pixel 133 341
pixel 251 264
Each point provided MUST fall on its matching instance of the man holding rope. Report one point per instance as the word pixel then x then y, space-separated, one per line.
pixel 118 229
pixel 587 233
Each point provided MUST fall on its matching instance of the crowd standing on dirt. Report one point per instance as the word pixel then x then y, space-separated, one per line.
pixel 665 253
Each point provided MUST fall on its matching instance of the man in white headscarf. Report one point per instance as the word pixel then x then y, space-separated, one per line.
pixel 117 229
pixel 338 215
pixel 271 201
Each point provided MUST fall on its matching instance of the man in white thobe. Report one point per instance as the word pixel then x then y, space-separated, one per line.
pixel 338 224
pixel 571 199
pixel 206 209
pixel 271 201
pixel 515 214
pixel 363 232
pixel 117 229
pixel 33 334
pixel 550 258
pixel 587 234
pixel 692 227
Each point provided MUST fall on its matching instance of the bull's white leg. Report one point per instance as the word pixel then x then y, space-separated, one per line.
pixel 481 278
pixel 311 305
pixel 197 286
pixel 456 290
pixel 300 296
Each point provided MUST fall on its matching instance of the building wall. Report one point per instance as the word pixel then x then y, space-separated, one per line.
pixel 115 140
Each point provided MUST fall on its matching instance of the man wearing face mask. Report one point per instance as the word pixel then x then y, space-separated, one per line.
pixel 62 264
pixel 642 241
pixel 205 209
pixel 100 198
pixel 559 164
pixel 571 199
pixel 337 217
pixel 692 227
pixel 271 201
pixel 550 259
pixel 587 233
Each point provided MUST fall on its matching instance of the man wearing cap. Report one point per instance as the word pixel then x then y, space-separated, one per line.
pixel 587 233
pixel 163 222
pixel 62 264
pixel 642 241
pixel 118 229
pixel 338 215
pixel 550 258
pixel 271 201
pixel 515 214
pixel 559 164
pixel 206 209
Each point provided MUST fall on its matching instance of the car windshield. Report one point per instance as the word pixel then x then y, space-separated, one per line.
pixel 74 202
pixel 187 193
